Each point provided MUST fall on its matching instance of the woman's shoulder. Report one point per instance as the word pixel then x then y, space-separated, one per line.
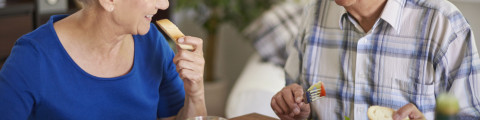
pixel 30 49
pixel 24 62
pixel 25 52
pixel 34 42
pixel 45 31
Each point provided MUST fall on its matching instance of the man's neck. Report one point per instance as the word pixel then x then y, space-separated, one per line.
pixel 366 12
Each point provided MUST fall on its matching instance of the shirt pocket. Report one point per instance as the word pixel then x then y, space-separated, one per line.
pixel 400 92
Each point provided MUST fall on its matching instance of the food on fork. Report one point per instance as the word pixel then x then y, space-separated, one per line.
pixel 173 32
pixel 315 92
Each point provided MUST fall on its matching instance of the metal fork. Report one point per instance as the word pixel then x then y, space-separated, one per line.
pixel 315 92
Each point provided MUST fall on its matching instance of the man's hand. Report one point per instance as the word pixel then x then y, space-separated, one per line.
pixel 288 103
pixel 190 65
pixel 408 111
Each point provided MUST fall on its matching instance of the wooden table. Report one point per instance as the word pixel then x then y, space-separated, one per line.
pixel 253 116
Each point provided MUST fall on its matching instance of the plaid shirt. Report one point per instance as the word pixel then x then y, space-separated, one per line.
pixel 272 31
pixel 416 50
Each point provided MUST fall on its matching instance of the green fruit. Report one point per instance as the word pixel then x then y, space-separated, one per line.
pixel 447 104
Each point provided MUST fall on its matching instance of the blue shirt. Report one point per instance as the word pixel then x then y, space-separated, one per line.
pixel 40 81
pixel 416 50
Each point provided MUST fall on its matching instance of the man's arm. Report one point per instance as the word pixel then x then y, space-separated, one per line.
pixel 458 71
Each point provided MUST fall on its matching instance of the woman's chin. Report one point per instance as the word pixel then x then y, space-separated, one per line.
pixel 143 31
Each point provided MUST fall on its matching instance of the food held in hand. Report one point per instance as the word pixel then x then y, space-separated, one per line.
pixel 380 113
pixel 173 32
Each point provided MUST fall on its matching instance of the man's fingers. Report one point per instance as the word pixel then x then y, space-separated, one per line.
pixel 304 107
pixel 304 111
pixel 298 93
pixel 285 106
pixel 275 107
pixel 287 94
pixel 408 111
pixel 285 117
pixel 281 103
pixel 403 112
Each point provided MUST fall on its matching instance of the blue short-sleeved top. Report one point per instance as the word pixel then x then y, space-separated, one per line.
pixel 39 80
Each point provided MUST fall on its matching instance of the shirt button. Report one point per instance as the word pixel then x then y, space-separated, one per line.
pixel 360 110
pixel 362 75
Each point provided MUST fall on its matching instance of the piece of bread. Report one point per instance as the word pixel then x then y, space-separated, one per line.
pixel 381 113
pixel 173 32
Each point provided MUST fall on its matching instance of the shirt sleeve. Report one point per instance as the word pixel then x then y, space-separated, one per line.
pixel 458 71
pixel 171 91
pixel 296 47
pixel 16 96
pixel 293 63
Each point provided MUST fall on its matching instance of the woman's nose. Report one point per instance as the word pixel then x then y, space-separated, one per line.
pixel 161 4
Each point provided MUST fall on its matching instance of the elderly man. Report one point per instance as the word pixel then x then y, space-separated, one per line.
pixel 398 53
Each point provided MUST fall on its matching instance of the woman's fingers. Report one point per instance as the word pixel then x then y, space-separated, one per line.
pixel 185 59
pixel 182 64
pixel 197 43
pixel 189 56
pixel 190 75
pixel 190 65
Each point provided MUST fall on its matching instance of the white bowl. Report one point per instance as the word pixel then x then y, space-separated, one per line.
pixel 207 118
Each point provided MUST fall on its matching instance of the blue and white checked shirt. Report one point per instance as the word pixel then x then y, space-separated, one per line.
pixel 416 50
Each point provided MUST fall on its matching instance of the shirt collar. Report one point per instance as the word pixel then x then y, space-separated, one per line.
pixel 392 13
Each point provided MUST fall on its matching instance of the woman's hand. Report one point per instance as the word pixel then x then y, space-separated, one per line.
pixel 288 103
pixel 409 111
pixel 190 66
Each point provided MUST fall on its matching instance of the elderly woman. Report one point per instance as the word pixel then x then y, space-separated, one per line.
pixel 106 61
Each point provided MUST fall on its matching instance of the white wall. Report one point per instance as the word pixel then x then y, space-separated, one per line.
pixel 470 9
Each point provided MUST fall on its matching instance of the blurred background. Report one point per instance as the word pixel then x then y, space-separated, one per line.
pixel 244 42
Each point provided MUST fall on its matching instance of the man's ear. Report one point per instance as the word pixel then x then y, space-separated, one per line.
pixel 108 5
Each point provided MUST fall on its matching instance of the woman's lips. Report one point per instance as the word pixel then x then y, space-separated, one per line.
pixel 149 17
